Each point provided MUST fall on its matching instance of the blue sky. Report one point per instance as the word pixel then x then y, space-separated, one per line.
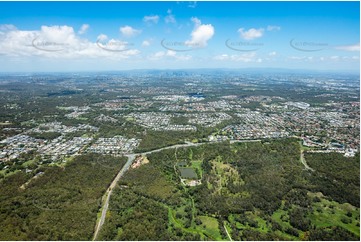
pixel 96 36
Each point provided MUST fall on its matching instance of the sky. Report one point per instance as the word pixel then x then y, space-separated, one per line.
pixel 111 36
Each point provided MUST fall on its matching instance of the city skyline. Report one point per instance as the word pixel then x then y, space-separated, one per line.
pixel 111 36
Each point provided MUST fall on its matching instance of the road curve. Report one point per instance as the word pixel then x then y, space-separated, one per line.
pixel 129 162
pixel 303 161
pixel 107 194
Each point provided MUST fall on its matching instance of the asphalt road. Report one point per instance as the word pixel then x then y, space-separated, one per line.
pixel 129 162
pixel 107 194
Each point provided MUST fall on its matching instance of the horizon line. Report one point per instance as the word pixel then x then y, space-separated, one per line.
pixel 192 69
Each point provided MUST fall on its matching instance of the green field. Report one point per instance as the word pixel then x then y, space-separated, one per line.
pixel 210 227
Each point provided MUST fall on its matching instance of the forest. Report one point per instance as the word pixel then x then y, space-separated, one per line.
pixel 58 202
pixel 253 191
pixel 247 190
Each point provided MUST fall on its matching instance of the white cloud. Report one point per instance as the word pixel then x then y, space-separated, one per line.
pixel 355 47
pixel 183 57
pixel 273 53
pixel 254 33
pixel 296 57
pixel 251 33
pixel 102 37
pixel 200 34
pixel 145 43
pixel 344 58
pixel 114 45
pixel 197 22
pixel 83 29
pixel 64 34
pixel 151 18
pixel 221 57
pixel 7 27
pixel 128 31
pixel 59 42
pixel 170 18
pixel 333 58
pixel 245 57
pixel 169 54
pixel 273 28
pixel 192 4
pixel 158 54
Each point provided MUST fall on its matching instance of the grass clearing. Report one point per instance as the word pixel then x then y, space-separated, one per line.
pixel 278 215
pixel 330 213
pixel 29 162
pixel 198 166
pixel 177 224
pixel 210 227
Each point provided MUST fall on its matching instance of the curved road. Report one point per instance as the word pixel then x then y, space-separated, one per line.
pixel 303 161
pixel 107 194
pixel 129 162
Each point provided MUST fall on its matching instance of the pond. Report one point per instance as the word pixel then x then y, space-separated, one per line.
pixel 188 173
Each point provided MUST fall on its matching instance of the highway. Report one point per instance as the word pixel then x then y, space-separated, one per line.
pixel 129 162
pixel 107 194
